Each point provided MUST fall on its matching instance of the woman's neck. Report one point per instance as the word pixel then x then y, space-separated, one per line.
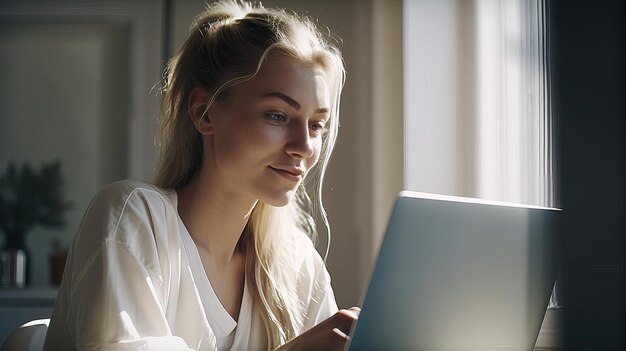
pixel 215 218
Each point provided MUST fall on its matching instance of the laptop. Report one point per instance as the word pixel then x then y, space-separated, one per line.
pixel 457 273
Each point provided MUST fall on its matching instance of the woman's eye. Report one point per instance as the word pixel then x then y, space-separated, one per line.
pixel 319 127
pixel 277 118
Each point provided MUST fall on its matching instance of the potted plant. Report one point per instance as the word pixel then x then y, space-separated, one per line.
pixel 28 198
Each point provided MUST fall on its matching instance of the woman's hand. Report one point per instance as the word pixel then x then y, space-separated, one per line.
pixel 331 334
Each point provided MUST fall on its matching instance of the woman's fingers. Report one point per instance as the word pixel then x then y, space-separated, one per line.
pixel 344 319
pixel 350 315
pixel 341 334
pixel 331 334
pixel 353 312
pixel 339 339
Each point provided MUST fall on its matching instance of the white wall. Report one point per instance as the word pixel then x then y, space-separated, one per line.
pixel 435 162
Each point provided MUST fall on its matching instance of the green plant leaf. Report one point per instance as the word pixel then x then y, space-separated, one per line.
pixel 29 198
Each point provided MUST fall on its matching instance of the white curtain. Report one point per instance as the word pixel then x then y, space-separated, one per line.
pixel 477 112
pixel 512 114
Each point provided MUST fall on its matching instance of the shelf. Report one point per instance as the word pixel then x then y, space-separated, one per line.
pixel 33 296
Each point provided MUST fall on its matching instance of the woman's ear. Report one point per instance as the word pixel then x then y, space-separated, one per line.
pixel 198 111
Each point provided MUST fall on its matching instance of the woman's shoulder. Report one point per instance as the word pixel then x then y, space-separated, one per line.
pixel 128 189
pixel 128 203
pixel 125 195
pixel 126 219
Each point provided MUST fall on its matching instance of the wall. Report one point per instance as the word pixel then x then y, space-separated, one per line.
pixel 587 44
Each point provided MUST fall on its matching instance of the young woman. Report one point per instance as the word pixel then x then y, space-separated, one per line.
pixel 217 254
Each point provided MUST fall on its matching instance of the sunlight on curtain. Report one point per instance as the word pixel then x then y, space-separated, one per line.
pixel 512 119
pixel 477 111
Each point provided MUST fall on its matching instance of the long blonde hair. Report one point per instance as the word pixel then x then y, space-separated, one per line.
pixel 228 44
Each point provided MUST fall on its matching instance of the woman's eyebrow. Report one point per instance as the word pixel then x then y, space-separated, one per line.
pixel 293 103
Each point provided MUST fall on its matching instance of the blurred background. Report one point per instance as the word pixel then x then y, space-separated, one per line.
pixel 513 100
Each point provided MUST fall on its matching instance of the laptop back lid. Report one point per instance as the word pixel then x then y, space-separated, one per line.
pixel 456 274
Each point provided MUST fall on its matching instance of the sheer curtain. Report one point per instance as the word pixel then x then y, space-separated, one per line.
pixel 477 107
pixel 513 131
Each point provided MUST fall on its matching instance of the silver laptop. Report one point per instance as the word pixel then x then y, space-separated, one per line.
pixel 459 274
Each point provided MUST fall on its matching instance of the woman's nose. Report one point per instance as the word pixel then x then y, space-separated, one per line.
pixel 300 144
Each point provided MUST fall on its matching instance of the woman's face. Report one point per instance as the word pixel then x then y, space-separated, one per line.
pixel 267 132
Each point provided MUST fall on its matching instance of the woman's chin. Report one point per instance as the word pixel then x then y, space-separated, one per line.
pixel 279 200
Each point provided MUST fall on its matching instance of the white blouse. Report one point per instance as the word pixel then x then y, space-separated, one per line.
pixel 134 280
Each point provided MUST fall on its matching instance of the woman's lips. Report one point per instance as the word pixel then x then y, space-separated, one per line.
pixel 291 174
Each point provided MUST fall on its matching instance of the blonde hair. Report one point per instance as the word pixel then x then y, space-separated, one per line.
pixel 228 44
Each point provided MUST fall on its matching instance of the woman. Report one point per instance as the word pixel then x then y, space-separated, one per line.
pixel 217 255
